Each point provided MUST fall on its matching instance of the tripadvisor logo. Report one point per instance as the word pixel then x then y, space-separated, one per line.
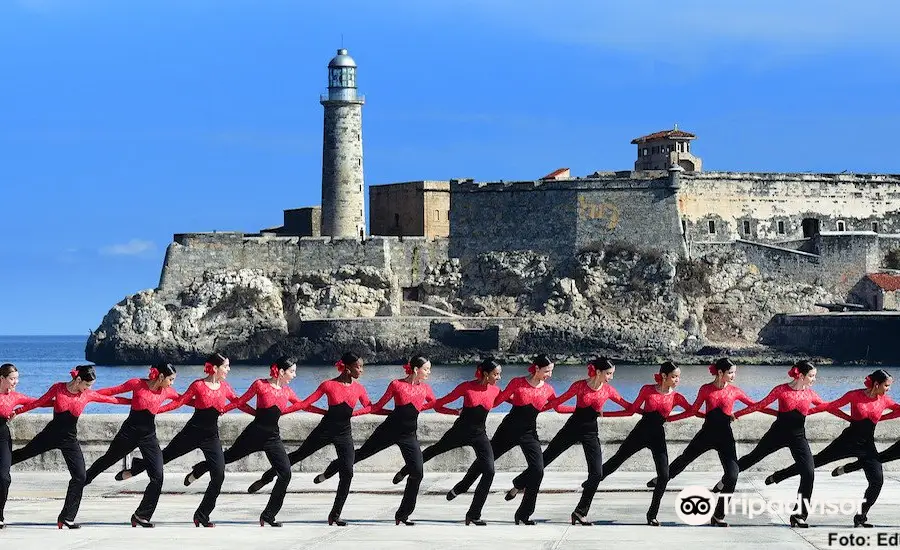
pixel 695 505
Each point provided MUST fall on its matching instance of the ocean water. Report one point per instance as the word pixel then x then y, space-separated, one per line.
pixel 43 360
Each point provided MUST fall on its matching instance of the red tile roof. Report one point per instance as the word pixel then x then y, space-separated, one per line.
pixel 664 134
pixel 555 174
pixel 885 281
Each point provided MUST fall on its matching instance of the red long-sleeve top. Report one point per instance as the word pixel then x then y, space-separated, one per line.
pixel 267 396
pixel 200 396
pixel 649 400
pixel 62 400
pixel 473 393
pixel 588 397
pixel 142 397
pixel 862 407
pixel 420 396
pixel 715 398
pixel 337 393
pixel 520 393
pixel 11 400
pixel 788 399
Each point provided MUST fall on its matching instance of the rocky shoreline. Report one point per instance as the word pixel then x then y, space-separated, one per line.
pixel 616 301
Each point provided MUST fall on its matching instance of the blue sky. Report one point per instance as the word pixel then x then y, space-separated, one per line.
pixel 122 123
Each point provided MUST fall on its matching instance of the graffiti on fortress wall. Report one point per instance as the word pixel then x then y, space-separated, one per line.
pixel 588 210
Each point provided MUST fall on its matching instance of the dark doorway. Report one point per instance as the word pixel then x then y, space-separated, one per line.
pixel 810 227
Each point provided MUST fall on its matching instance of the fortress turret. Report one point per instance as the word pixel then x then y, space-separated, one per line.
pixel 342 169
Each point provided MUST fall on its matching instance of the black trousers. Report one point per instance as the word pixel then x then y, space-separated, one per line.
pixel 60 433
pixel 332 430
pixel 789 431
pixel 259 437
pixel 581 427
pixel 468 431
pixel 393 431
pixel 5 464
pixel 201 432
pixel 715 435
pixel 648 433
pixel 137 432
pixel 517 429
pixel 890 454
pixel 857 440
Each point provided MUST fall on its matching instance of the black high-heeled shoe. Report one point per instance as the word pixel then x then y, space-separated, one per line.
pixel 121 475
pixel 651 483
pixel 135 521
pixel 451 494
pixel 525 521
pixel 257 485
pixel 653 522
pixel 478 522
pixel 770 480
pixel 797 521
pixel 716 522
pixel 263 520
pixel 580 520
pixel 860 521
pixel 336 521
pixel 319 479
pixel 511 494
pixel 189 478
pixel 60 523
pixel 398 477
pixel 398 521
pixel 198 521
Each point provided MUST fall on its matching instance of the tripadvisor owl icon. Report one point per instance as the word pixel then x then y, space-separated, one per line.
pixel 694 505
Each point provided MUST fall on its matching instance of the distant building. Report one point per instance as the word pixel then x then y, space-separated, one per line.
pixel 300 222
pixel 410 209
pixel 662 150
pixel 877 291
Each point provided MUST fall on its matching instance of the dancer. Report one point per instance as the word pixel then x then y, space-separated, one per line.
pixel 411 395
pixel 68 400
pixel 719 396
pixel 529 396
pixel 273 398
pixel 591 394
pixel 343 392
pixel 795 399
pixel 655 403
pixel 478 396
pixel 139 431
pixel 9 398
pixel 209 396
pixel 858 439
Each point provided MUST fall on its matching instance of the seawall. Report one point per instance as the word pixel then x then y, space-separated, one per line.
pixel 843 336
pixel 97 430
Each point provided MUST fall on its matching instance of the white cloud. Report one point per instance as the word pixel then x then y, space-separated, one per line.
pixel 134 247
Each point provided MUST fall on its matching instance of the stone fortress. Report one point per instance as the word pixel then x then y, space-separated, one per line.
pixel 661 260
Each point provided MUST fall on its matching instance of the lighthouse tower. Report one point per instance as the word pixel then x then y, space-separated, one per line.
pixel 342 155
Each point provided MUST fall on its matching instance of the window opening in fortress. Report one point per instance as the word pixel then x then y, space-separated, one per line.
pixel 781 228
pixel 841 226
pixel 712 227
pixel 875 227
pixel 810 227
pixel 746 227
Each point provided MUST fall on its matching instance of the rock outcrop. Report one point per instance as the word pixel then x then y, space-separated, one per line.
pixel 615 300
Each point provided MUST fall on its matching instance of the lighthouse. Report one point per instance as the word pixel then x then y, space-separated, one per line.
pixel 342 153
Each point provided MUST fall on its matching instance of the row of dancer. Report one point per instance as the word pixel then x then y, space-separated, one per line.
pixel 212 396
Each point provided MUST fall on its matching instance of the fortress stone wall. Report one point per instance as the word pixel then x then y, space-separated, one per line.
pixel 191 254
pixel 728 199
pixel 561 217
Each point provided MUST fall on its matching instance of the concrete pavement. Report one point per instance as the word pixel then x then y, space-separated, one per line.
pixel 618 509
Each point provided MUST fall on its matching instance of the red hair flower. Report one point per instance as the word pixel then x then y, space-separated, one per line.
pixel 154 373
pixel 74 373
pixel 478 373
pixel 273 371
pixel 868 382
pixel 592 371
pixel 340 366
pixel 794 372
pixel 532 369
pixel 713 370
pixel 658 378
pixel 408 369
pixel 209 368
